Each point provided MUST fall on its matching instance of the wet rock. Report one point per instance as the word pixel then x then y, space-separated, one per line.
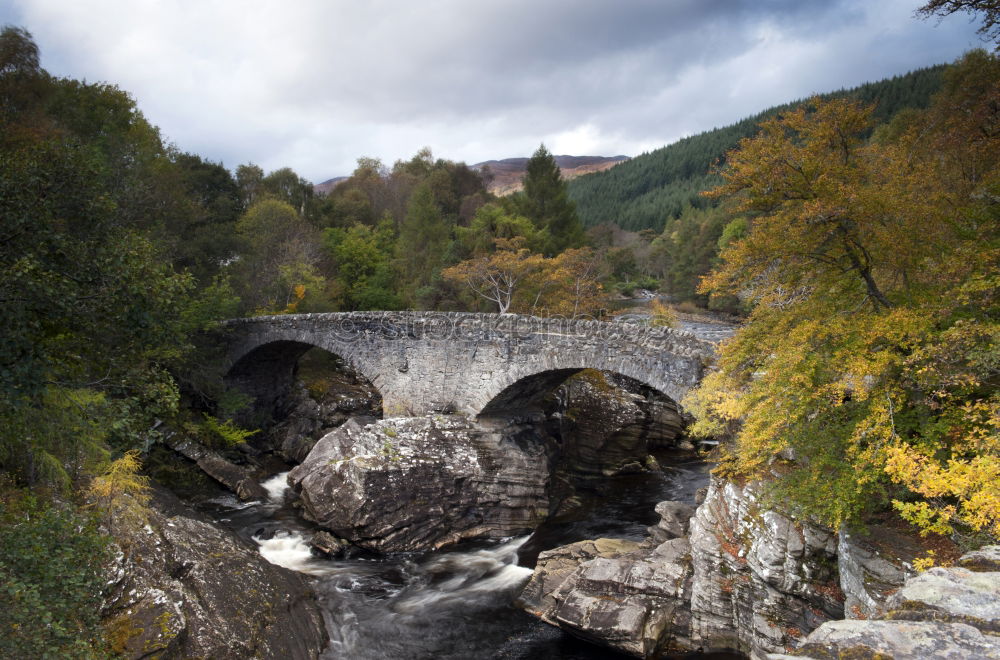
pixel 761 580
pixel 185 587
pixel 328 544
pixel 616 593
pixel 236 478
pixel 675 518
pixel 417 483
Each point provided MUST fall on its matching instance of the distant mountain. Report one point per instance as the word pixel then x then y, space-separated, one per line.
pixel 649 189
pixel 507 173
pixel 328 185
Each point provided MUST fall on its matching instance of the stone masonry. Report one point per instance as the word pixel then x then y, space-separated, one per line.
pixel 450 362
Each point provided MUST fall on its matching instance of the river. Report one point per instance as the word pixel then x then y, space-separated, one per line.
pixel 456 603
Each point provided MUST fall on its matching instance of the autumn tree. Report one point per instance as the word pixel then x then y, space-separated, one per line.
pixel 987 10
pixel 498 276
pixel 569 285
pixel 863 374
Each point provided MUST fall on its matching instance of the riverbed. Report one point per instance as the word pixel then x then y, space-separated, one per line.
pixel 455 603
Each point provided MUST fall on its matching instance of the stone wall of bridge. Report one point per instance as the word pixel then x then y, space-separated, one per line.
pixel 425 362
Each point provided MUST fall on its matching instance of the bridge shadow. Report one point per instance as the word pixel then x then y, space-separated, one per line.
pixel 529 395
pixel 268 375
pixel 600 417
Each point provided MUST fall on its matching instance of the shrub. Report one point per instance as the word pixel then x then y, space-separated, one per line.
pixel 50 579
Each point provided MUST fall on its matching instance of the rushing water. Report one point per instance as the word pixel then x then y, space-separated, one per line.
pixel 453 604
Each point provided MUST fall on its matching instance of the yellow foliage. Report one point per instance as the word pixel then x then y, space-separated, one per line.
pixel 921 564
pixel 517 280
pixel 663 314
pixel 121 494
pixel 872 350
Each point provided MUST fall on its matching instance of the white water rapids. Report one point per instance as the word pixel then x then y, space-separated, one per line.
pixel 454 604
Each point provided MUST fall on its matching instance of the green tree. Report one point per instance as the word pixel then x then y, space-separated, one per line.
pixel 424 239
pixel 51 569
pixel 545 201
pixel 280 252
pixel 363 263
pixel 493 221
pixel 84 305
pixel 250 181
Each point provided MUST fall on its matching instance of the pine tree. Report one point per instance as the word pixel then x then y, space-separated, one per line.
pixel 547 204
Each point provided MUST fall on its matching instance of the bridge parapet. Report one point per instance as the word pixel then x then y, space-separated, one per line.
pixel 466 326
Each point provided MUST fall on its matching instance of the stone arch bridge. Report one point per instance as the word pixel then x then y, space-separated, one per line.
pixel 448 362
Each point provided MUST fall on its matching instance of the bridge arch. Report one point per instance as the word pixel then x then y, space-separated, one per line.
pixel 263 365
pixel 522 388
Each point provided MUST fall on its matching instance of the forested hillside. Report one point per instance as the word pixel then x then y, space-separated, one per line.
pixel 645 192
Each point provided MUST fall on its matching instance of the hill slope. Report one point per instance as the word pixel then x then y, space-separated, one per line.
pixel 507 173
pixel 646 190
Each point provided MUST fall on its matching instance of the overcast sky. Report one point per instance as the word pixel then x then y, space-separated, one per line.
pixel 314 84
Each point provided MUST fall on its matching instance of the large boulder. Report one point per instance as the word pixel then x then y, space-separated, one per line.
pixel 183 587
pixel 951 595
pixel 406 484
pixel 616 593
pixel 896 639
pixel 555 565
pixel 675 520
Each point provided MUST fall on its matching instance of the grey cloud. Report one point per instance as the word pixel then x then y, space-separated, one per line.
pixel 315 84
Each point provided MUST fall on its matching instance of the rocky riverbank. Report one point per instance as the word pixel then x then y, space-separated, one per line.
pixel 185 587
pixel 758 581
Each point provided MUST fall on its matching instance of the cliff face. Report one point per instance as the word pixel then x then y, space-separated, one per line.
pixel 761 582
pixel 741 578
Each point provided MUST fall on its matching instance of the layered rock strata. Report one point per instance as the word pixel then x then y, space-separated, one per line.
pixel 609 424
pixel 616 593
pixel 761 582
pixel 941 614
pixel 732 577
